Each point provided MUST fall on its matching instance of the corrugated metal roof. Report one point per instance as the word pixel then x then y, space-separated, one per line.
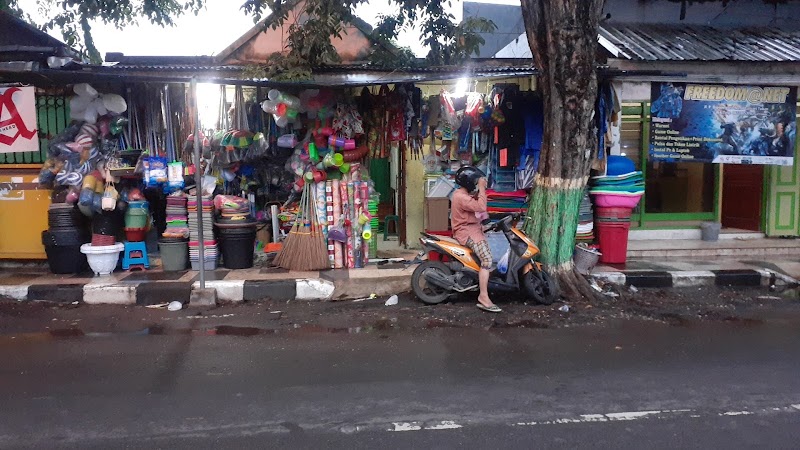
pixel 233 75
pixel 652 42
pixel 173 67
pixel 480 67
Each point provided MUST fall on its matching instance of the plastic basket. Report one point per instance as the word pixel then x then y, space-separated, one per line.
pixel 585 259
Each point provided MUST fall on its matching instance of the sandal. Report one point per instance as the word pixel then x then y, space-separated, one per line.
pixel 491 309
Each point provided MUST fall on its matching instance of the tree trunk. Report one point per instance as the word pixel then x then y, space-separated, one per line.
pixel 562 35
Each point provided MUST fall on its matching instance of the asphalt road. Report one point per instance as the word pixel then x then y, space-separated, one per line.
pixel 628 386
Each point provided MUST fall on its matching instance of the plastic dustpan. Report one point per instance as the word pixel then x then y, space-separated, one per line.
pixel 337 234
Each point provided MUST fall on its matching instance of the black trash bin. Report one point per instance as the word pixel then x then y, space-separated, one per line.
pixel 64 253
pixel 237 246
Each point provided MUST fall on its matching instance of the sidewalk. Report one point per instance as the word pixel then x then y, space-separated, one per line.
pixel 384 279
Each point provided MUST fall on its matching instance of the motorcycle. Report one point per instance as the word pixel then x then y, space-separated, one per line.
pixel 457 270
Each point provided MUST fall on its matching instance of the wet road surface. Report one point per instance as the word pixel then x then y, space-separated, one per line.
pixel 628 385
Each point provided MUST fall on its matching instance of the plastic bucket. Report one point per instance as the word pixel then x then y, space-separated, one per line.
pixel 135 234
pixel 613 240
pixel 237 250
pixel 140 206
pixel 136 221
pixel 709 231
pixel 105 224
pixel 613 213
pixel 66 259
pixel 174 255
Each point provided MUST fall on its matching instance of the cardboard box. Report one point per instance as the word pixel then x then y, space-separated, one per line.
pixel 437 214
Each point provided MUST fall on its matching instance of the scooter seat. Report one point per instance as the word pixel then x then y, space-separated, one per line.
pixel 446 239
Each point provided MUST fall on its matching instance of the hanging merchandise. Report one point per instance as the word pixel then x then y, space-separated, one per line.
pixel 157 173
pixel 84 146
pixel 88 105
pixel 223 121
pixel 110 196
pixel 175 176
pixel 166 116
pixel 347 121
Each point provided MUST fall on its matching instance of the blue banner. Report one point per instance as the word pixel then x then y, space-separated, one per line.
pixel 729 124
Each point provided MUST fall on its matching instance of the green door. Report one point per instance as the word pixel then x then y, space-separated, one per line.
pixel 783 200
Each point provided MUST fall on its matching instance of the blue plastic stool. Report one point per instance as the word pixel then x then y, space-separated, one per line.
pixel 135 256
pixel 391 220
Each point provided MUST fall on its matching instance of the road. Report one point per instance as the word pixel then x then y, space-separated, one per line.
pixel 627 385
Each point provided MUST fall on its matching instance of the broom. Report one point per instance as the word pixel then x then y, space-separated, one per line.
pixel 304 249
pixel 320 255
pixel 286 255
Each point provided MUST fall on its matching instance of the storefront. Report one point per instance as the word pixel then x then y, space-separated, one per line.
pixel 383 116
pixel 726 151
pixel 29 117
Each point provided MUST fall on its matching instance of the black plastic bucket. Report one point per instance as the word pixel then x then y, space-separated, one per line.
pixel 107 224
pixel 237 249
pixel 66 259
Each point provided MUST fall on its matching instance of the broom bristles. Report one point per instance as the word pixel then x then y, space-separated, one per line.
pixel 306 249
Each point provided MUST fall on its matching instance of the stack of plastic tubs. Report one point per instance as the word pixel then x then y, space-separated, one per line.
pixel 615 195
pixel 63 241
pixel 210 256
pixel 174 242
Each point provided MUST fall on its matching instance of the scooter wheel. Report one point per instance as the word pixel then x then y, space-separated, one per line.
pixel 429 294
pixel 540 286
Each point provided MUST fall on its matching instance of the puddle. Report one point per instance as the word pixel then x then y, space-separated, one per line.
pixel 527 323
pixel 66 333
pixel 228 330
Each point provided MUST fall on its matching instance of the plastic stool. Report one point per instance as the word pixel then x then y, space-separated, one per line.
pixel 135 255
pixel 386 222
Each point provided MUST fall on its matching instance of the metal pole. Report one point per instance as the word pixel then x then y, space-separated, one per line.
pixel 198 180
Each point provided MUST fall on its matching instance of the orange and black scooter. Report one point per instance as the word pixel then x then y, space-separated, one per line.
pixel 457 269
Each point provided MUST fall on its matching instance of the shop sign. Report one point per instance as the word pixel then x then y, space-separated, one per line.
pixel 729 124
pixel 18 131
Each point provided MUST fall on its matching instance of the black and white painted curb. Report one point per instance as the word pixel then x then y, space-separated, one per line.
pixel 337 285
pixel 693 278
pixel 148 293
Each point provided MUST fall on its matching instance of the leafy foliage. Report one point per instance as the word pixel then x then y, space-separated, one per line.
pixel 309 37
pixel 309 43
pixel 72 17
pixel 449 42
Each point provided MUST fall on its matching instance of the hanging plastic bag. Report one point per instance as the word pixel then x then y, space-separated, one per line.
pixel 502 265
pixel 158 171
pixel 110 196
pixel 175 176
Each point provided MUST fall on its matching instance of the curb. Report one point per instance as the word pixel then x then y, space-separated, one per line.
pixel 668 279
pixel 333 285
pixel 328 286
